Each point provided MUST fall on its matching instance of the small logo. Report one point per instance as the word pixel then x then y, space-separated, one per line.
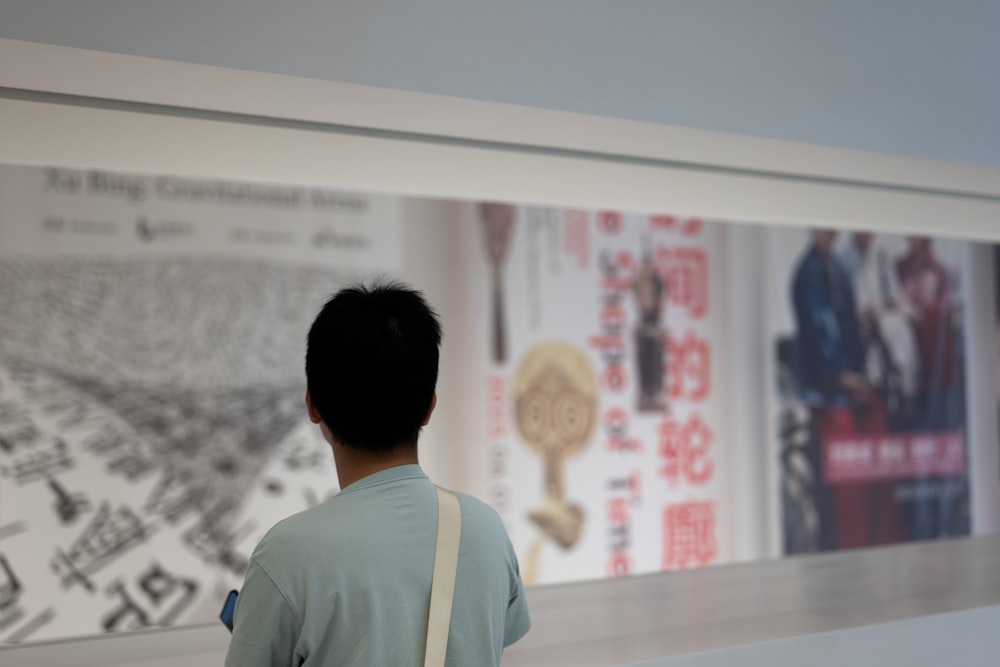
pixel 149 230
pixel 330 238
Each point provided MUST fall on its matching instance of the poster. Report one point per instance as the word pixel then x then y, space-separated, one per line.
pixel 592 366
pixel 152 425
pixel 869 350
pixel 152 422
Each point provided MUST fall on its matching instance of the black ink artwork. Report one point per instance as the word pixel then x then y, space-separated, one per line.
pixel 68 506
pixel 143 400
pixel 39 463
pixel 106 537
pixel 158 599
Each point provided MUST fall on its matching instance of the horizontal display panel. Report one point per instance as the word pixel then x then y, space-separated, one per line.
pixel 151 383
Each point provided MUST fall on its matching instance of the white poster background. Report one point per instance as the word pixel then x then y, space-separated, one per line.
pixel 140 315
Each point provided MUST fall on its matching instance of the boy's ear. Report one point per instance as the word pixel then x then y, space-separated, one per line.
pixel 430 410
pixel 313 412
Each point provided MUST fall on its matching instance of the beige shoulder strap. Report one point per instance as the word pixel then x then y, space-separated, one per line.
pixel 449 535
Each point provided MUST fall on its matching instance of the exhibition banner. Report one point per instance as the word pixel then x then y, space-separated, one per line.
pixel 870 347
pixel 594 370
pixel 152 421
pixel 153 427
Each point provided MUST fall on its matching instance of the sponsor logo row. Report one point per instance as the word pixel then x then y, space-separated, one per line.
pixel 150 230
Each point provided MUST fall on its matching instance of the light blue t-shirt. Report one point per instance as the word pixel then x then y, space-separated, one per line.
pixel 347 582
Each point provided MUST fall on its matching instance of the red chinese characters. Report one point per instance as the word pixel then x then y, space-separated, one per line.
pixel 685 440
pixel 689 534
pixel 674 251
pixel 689 368
pixel 688 227
pixel 686 270
pixel 684 451
pixel 610 222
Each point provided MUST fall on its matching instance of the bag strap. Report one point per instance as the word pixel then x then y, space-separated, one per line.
pixel 449 535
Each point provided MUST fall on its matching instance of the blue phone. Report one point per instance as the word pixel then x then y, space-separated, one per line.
pixel 229 610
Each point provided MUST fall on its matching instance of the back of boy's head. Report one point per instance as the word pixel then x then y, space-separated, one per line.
pixel 372 365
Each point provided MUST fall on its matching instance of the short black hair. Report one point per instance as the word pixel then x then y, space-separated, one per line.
pixel 372 365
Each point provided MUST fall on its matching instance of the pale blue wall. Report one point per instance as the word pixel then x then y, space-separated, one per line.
pixel 912 77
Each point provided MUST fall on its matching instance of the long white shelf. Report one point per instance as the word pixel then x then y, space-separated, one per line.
pixel 850 606
pixel 661 616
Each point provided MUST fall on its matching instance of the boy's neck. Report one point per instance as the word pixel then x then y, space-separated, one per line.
pixel 354 464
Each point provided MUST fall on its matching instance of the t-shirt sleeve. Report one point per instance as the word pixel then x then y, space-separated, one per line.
pixel 518 620
pixel 265 627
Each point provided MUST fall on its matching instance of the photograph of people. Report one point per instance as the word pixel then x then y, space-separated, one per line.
pixel 876 357
pixel 842 399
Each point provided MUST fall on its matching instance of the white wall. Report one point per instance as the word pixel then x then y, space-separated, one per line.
pixel 911 77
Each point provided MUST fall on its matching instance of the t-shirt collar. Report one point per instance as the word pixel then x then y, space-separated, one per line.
pixel 394 474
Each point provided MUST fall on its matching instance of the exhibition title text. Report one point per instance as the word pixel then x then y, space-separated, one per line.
pixel 135 188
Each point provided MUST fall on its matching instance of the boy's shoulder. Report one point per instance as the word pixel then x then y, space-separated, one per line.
pixel 478 515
